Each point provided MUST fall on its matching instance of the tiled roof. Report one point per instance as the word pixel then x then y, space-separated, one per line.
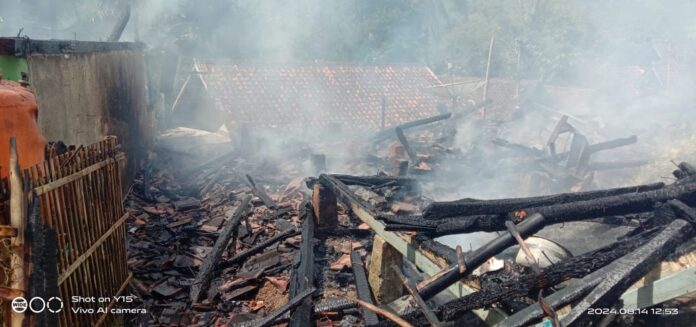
pixel 319 95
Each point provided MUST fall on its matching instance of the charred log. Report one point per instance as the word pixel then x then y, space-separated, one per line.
pixel 200 284
pixel 616 205
pixel 471 207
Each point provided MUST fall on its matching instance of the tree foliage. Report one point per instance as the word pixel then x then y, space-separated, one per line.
pixel 535 39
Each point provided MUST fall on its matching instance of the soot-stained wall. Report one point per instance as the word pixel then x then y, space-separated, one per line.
pixel 86 96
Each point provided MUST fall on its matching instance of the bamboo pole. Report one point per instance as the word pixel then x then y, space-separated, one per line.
pixel 488 71
pixel 18 212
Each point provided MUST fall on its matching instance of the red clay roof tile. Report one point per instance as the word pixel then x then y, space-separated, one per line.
pixel 320 95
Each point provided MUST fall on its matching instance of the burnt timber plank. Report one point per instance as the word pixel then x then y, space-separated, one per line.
pixel 261 193
pixel 363 288
pixel 628 271
pixel 402 138
pixel 270 319
pixel 411 288
pixel 402 244
pixel 303 275
pixel 257 248
pixel 499 206
pixel 644 257
pixel 616 205
pixel 200 284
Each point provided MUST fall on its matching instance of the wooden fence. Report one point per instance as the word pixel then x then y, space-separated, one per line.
pixel 80 197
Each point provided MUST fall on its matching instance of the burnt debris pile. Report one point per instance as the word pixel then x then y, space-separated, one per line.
pixel 240 240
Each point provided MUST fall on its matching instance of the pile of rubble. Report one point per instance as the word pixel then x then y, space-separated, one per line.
pixel 213 246
pixel 244 241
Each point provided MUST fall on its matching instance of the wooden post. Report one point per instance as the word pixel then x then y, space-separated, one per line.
pixel 384 281
pixel 18 210
pixel 488 72
pixel 325 206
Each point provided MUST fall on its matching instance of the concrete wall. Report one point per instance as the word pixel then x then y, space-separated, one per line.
pixel 84 97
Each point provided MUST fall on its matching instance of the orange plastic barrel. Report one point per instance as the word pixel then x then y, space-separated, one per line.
pixel 18 117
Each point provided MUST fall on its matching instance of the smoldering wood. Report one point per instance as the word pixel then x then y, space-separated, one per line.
pixel 303 274
pixel 476 258
pixel 628 271
pixel 616 205
pixel 530 283
pixel 578 155
pixel 430 245
pixel 259 247
pixel 404 142
pixel 687 168
pixel 258 191
pixel 205 273
pixel 43 277
pixel 591 149
pixel 325 206
pixel 411 288
pixel 520 148
pixel 343 193
pixel 278 314
pixel 362 287
pixel 653 251
pixel 561 127
pixel 472 207
pixel 370 181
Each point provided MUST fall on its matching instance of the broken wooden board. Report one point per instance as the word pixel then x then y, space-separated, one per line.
pixel 410 251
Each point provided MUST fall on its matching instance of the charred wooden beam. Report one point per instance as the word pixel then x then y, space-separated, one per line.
pixel 324 205
pixel 257 248
pixel 561 127
pixel 370 181
pixel 411 288
pixel 273 317
pixel 303 274
pixel 258 191
pixel 200 284
pixel 43 254
pixel 386 134
pixel 531 283
pixel 687 168
pixel 452 274
pixel 613 144
pixel 527 150
pixel 640 260
pixel 402 139
pixel 616 205
pixel 470 207
pixel 401 243
pixel 362 287
pixel 628 271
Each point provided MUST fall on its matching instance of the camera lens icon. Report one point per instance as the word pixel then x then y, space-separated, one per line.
pixel 37 305
pixel 19 304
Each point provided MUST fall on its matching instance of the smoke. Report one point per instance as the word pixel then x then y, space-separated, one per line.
pixel 632 62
